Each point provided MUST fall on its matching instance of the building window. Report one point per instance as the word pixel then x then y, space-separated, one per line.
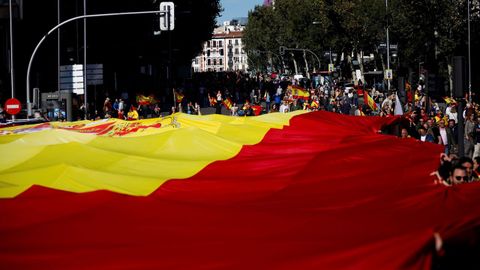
pixel 236 50
pixel 208 53
pixel 236 42
pixel 220 43
pixel 220 62
pixel 208 62
pixel 229 42
pixel 221 52
pixel 214 44
pixel 214 62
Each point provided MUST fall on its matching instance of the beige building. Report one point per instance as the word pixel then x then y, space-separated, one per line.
pixel 224 52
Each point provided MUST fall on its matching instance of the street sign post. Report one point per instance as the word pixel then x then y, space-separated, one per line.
pixel 13 106
pixel 331 68
pixel 388 74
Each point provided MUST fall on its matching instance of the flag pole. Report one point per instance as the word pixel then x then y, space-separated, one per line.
pixel 174 98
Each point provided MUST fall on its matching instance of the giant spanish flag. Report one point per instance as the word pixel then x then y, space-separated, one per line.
pixel 277 191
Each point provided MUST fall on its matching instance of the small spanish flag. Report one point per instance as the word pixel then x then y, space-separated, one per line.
pixel 449 100
pixel 257 109
pixel 370 102
pixel 315 104
pixel 179 97
pixel 228 103
pixel 213 101
pixel 143 100
pixel 299 92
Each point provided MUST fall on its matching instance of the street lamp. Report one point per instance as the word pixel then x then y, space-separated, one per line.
pixel 29 67
pixel 388 44
pixel 469 57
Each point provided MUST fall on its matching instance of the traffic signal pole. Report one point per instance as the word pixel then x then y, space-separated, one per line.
pixel 29 104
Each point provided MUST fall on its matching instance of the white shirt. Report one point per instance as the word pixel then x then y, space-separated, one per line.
pixel 452 116
pixel 423 138
pixel 443 134
pixel 279 91
pixel 284 108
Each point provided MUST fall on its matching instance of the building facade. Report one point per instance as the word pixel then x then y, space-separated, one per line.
pixel 224 52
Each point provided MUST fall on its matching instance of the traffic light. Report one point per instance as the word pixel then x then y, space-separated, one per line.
pixel 167 20
pixel 282 50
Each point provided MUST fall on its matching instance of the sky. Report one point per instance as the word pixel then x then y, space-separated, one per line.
pixel 236 8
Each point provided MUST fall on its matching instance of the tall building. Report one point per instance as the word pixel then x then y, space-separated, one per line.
pixel 269 2
pixel 224 52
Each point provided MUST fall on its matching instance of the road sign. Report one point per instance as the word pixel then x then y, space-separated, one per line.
pixel 71 78
pixel 167 20
pixel 13 106
pixel 383 46
pixel 331 68
pixel 95 74
pixel 388 74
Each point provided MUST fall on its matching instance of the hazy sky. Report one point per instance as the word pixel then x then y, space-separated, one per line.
pixel 236 8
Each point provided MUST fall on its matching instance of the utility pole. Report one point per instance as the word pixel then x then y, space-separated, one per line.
pixel 85 58
pixel 388 44
pixel 469 58
pixel 58 49
pixel 12 70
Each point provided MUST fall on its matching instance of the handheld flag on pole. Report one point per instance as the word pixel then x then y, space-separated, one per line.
pixel 228 103
pixel 213 101
pixel 370 102
pixel 299 92
pixel 449 100
pixel 143 100
pixel 179 97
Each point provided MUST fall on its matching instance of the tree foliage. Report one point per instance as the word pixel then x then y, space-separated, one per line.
pixel 427 31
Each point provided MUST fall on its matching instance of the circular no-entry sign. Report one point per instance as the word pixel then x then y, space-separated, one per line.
pixel 13 106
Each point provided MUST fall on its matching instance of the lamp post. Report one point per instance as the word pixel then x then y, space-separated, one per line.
pixel 85 58
pixel 58 49
pixel 12 70
pixel 29 67
pixel 469 57
pixel 388 44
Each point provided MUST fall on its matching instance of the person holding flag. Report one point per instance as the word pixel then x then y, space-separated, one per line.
pixel 218 108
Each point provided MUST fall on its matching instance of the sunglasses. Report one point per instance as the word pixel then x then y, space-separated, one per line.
pixel 464 178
